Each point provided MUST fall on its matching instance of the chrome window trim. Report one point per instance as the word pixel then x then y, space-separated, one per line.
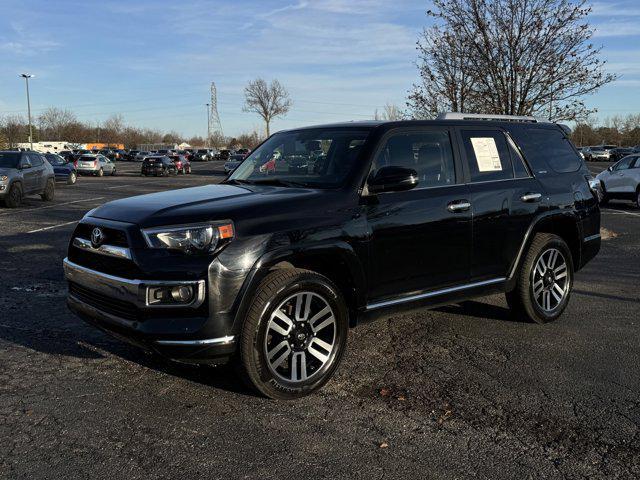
pixel 434 293
pixel 129 290
pixel 207 341
pixel 109 250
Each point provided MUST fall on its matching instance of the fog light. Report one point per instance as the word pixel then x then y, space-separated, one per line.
pixel 182 294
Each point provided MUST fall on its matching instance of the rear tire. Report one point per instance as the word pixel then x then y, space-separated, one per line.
pixel 100 173
pixel 294 334
pixel 113 172
pixel 49 191
pixel 14 196
pixel 638 198
pixel 544 281
pixel 73 178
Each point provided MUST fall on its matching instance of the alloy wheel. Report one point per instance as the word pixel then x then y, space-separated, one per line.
pixel 550 280
pixel 301 337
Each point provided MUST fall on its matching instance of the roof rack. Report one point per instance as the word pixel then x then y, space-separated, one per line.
pixel 483 116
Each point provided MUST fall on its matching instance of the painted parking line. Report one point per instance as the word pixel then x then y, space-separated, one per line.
pixel 50 206
pixel 121 186
pixel 613 210
pixel 52 226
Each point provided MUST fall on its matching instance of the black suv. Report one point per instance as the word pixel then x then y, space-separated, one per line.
pixel 271 267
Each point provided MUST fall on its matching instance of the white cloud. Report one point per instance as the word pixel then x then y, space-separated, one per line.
pixel 26 41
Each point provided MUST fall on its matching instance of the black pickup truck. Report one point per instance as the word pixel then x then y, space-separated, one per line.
pixel 270 268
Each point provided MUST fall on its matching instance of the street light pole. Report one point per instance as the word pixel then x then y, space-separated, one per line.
pixel 26 77
pixel 208 125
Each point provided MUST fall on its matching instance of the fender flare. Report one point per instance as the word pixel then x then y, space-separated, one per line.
pixel 295 254
pixel 528 238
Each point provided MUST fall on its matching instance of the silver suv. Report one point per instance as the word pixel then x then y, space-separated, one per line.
pixel 621 181
pixel 25 173
pixel 97 165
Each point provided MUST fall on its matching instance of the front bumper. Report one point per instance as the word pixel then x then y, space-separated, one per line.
pixel 120 307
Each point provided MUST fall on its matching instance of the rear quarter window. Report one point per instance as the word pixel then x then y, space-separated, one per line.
pixel 550 146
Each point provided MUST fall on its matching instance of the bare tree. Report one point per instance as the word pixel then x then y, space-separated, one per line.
pixel 390 113
pixel 54 123
pixel 268 101
pixel 518 57
pixel 14 129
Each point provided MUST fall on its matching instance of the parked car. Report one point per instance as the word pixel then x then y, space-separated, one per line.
pixel 616 154
pixel 622 180
pixel 96 164
pixel 585 153
pixel 25 173
pixel 243 151
pixel 224 154
pixel 601 153
pixel 159 165
pixel 131 155
pixel 233 162
pixel 64 169
pixel 182 164
pixel 271 270
pixel 202 155
pixel 141 155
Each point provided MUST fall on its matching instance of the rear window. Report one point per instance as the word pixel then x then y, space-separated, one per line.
pixel 551 146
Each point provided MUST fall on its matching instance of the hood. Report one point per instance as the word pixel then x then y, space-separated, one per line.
pixel 199 204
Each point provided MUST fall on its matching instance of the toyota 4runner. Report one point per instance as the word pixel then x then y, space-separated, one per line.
pixel 270 268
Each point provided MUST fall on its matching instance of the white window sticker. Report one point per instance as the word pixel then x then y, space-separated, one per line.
pixel 486 153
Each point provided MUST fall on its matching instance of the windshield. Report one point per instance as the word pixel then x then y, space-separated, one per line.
pixel 9 159
pixel 319 158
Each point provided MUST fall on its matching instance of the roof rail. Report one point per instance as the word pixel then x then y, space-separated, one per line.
pixel 483 116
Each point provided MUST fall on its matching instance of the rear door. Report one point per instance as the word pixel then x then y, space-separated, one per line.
pixel 504 197
pixel 419 239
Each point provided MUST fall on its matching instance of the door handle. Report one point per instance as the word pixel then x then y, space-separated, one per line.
pixel 459 206
pixel 531 197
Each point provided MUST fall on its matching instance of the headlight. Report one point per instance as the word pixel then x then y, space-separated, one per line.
pixel 200 238
pixel 3 178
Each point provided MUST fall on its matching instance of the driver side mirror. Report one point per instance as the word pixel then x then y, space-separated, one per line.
pixel 393 179
pixel 610 168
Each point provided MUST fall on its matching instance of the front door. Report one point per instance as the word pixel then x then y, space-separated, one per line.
pixel 420 240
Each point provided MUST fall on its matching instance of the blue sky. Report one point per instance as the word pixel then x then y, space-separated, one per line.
pixel 153 60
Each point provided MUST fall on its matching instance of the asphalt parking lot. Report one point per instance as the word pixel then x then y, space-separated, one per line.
pixel 462 391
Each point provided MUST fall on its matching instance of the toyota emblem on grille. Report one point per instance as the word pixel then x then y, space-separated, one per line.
pixel 97 237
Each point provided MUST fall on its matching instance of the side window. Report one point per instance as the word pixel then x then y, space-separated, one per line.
pixel 519 168
pixel 35 159
pixel 624 164
pixel 636 164
pixel 551 145
pixel 429 153
pixel 488 155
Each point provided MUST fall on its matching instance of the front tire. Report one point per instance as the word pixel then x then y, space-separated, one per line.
pixel 545 280
pixel 14 196
pixel 73 178
pixel 294 335
pixel 49 191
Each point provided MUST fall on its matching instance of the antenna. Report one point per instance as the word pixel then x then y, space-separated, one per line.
pixel 214 127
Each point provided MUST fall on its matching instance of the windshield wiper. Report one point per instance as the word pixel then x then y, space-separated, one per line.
pixel 237 181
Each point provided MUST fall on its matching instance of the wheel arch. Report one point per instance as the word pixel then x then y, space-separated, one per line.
pixel 563 224
pixel 337 261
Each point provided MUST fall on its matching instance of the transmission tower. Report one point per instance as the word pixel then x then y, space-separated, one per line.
pixel 214 125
